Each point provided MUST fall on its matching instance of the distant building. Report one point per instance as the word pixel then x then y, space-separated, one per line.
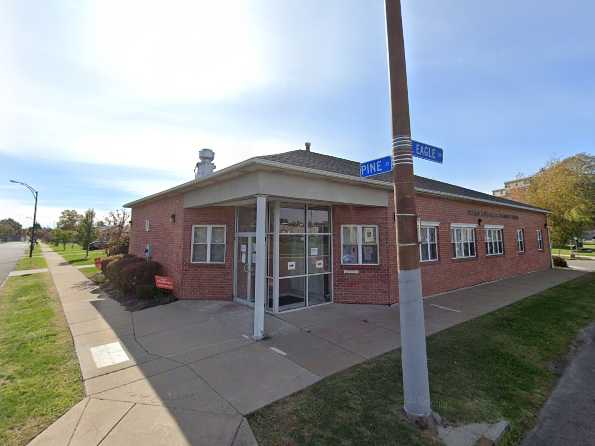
pixel 513 189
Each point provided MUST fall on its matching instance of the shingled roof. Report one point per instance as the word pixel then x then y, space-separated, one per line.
pixel 319 161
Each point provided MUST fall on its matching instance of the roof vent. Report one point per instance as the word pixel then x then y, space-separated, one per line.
pixel 308 146
pixel 205 166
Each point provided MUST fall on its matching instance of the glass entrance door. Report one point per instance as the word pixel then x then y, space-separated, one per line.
pixel 245 267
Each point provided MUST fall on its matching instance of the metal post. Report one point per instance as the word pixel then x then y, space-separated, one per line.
pixel 413 337
pixel 33 228
pixel 260 273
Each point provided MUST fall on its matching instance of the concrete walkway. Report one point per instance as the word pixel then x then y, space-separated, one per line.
pixel 568 416
pixel 187 372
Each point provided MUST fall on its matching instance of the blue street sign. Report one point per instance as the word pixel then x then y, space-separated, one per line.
pixel 427 152
pixel 375 167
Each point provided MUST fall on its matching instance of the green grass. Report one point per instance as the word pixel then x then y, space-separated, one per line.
pixel 39 373
pixel 75 254
pixel 497 366
pixel 34 262
pixel 566 252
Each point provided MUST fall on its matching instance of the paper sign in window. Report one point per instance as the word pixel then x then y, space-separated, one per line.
pixel 244 248
pixel 369 235
pixel 319 264
pixel 290 266
pixel 313 251
pixel 243 258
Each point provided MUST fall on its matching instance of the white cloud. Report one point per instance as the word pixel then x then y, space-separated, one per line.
pixel 178 51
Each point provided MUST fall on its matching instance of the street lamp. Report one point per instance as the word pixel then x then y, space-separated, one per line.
pixel 35 194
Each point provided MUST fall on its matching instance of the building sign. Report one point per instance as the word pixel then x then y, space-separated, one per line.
pixel 488 214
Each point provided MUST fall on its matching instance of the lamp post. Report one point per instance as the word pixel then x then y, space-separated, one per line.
pixel 416 387
pixel 35 194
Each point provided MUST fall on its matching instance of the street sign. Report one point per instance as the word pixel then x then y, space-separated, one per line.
pixel 427 152
pixel 376 167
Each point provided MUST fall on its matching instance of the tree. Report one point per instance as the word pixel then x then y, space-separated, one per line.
pixel 69 220
pixel 86 231
pixel 10 229
pixel 567 189
pixel 118 226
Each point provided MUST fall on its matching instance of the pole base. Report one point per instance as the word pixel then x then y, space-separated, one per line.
pixel 428 423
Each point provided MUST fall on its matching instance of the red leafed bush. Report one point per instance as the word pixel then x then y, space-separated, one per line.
pixel 130 271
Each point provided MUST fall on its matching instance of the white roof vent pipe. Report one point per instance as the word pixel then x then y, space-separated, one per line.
pixel 205 166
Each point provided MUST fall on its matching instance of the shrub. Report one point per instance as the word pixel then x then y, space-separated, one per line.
pixel 130 271
pixel 559 261
pixel 106 261
pixel 145 291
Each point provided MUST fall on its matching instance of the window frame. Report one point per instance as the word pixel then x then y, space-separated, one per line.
pixel 520 241
pixel 467 226
pixel 360 244
pixel 499 229
pixel 429 225
pixel 539 240
pixel 208 244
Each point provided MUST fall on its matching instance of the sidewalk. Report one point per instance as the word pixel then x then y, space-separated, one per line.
pixel 187 372
pixel 176 407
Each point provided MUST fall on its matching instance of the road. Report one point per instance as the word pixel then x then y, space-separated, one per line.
pixel 583 265
pixel 9 254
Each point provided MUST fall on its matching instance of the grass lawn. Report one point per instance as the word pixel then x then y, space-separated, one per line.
pixel 34 262
pixel 566 252
pixel 75 254
pixel 39 373
pixel 500 365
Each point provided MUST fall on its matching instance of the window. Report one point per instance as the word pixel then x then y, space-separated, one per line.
pixel 463 241
pixel 359 245
pixel 494 241
pixel 520 240
pixel 208 244
pixel 539 240
pixel 147 225
pixel 428 242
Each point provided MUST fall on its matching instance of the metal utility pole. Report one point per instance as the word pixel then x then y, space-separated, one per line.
pixel 35 194
pixel 413 337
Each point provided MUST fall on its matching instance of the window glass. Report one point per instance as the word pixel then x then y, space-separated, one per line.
pixel 318 220
pixel 218 235
pixel 217 253
pixel 200 234
pixel 319 289
pixel 463 240
pixel 318 254
pixel 199 253
pixel 292 219
pixel 494 242
pixel 292 292
pixel 428 244
pixel 292 254
pixel 369 244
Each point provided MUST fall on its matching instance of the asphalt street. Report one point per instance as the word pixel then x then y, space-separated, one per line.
pixel 10 253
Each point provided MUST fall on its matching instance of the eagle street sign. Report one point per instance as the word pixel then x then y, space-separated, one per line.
pixel 385 164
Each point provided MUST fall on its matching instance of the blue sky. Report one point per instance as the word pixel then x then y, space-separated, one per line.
pixel 104 102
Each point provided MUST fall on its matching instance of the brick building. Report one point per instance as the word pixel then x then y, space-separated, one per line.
pixel 329 234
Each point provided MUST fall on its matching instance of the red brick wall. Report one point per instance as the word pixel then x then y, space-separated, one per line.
pixel 448 273
pixel 165 237
pixel 208 281
pixel 376 284
pixel 373 283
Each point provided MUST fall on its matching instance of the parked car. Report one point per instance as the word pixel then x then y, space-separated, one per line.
pixel 97 244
